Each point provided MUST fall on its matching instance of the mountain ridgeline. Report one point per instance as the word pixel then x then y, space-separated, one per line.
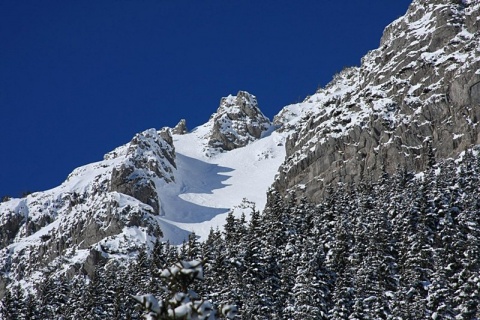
pixel 358 203
pixel 418 92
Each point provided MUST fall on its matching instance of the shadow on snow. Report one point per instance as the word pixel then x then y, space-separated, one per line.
pixel 194 178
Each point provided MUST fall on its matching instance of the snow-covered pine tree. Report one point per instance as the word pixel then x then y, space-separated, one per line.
pixel 182 302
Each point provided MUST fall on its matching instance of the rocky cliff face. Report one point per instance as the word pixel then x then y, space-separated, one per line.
pixel 97 213
pixel 237 122
pixel 149 156
pixel 417 94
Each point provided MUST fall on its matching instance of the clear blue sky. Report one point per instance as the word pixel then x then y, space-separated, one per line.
pixel 79 78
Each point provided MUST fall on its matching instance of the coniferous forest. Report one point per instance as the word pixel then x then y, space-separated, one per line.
pixel 403 247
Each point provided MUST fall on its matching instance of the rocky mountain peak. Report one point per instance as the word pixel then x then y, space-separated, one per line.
pixel 180 128
pixel 237 122
pixel 243 104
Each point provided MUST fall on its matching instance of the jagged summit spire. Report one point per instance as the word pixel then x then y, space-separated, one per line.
pixel 237 122
pixel 181 127
pixel 244 101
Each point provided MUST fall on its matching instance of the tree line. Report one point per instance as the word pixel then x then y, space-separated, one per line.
pixel 403 247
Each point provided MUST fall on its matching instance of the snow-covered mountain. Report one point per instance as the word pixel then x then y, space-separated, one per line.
pixel 164 183
pixel 416 96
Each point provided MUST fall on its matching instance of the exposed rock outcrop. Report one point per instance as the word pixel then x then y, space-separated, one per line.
pixel 237 122
pixel 418 91
pixel 151 156
pixel 180 128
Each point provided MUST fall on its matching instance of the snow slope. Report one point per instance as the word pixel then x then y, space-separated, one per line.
pixel 207 187
pixel 159 184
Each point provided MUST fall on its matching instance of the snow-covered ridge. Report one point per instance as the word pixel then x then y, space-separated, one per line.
pixel 83 220
pixel 160 184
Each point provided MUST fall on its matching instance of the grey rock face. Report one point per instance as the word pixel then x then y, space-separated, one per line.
pixel 181 127
pixel 95 214
pixel 10 228
pixel 124 180
pixel 475 94
pixel 419 90
pixel 151 156
pixel 237 122
pixel 74 226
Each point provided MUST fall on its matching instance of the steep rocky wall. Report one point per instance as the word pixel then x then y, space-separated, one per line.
pixel 418 93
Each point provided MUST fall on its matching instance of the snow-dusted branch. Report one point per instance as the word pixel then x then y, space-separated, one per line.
pixel 182 302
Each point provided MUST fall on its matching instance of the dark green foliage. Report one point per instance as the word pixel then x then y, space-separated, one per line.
pixel 8 307
pixel 181 301
pixel 401 248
